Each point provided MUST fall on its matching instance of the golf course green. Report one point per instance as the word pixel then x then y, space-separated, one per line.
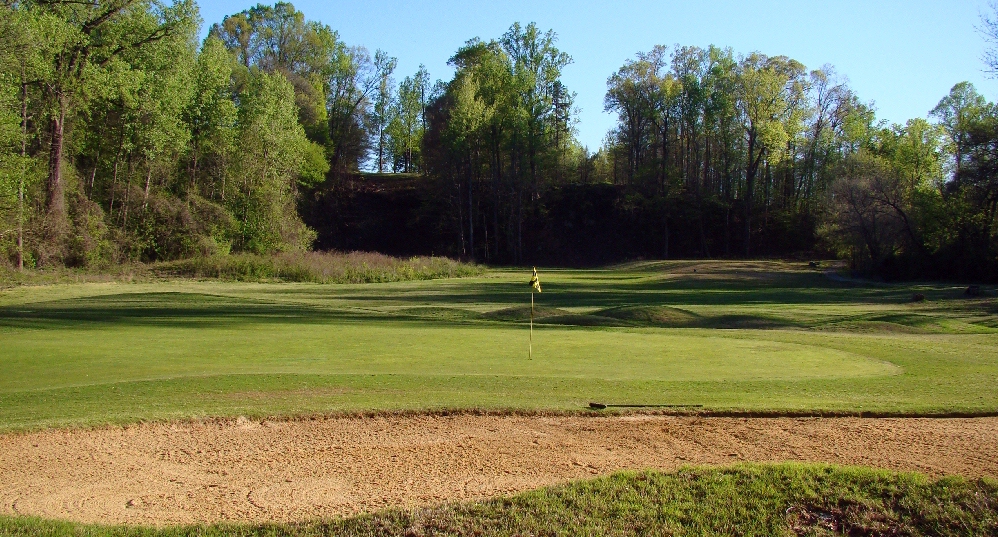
pixel 730 336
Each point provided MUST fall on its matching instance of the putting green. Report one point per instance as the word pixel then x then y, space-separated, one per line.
pixel 40 359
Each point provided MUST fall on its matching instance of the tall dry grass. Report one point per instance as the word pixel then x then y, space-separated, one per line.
pixel 319 267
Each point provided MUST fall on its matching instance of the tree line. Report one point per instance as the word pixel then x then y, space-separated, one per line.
pixel 756 153
pixel 124 137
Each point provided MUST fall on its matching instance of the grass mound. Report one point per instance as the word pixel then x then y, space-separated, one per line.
pixel 874 326
pixel 522 313
pixel 318 267
pixel 552 316
pixel 581 320
pixel 663 316
pixel 671 317
pixel 787 499
pixel 748 322
pixel 440 313
pixel 623 316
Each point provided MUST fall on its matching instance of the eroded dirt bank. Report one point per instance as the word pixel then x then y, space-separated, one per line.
pixel 300 470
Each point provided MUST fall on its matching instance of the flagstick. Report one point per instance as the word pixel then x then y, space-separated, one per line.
pixel 531 347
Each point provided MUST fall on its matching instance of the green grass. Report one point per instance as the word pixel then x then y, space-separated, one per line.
pixel 760 337
pixel 788 499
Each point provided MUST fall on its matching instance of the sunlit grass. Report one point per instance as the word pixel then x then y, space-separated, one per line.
pixel 730 336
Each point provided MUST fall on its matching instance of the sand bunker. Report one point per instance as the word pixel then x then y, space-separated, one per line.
pixel 300 470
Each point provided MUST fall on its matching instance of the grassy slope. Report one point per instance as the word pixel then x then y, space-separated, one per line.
pixel 744 500
pixel 756 336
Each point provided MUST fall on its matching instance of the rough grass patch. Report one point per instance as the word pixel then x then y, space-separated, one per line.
pixel 319 267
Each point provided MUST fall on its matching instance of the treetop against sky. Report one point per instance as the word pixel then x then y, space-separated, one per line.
pixel 902 54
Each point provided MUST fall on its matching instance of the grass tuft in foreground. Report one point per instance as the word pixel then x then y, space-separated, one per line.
pixel 788 499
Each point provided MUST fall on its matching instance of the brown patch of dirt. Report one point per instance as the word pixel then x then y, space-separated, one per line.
pixel 244 470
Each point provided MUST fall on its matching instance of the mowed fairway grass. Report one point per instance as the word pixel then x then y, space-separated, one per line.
pixel 731 336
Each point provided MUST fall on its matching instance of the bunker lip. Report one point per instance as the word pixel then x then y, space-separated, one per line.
pixel 587 410
pixel 305 469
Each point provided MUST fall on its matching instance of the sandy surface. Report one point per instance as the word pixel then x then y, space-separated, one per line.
pixel 300 470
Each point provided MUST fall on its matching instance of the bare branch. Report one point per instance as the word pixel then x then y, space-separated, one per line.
pixel 988 28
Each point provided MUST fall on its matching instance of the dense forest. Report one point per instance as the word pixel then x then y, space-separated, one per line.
pixel 125 137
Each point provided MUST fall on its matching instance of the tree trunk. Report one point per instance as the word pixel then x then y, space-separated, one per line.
pixel 495 222
pixel 114 183
pixel 750 172
pixel 194 168
pixel 496 178
pixel 519 226
pixel 20 189
pixel 221 191
pixel 726 183
pixel 56 202
pixel 381 151
pixel 145 197
pixel 665 250
pixel 704 248
pixel 460 217
pixel 767 196
pixel 665 161
pixel 533 165
pixel 727 231
pixel 128 188
pixel 471 212
pixel 93 174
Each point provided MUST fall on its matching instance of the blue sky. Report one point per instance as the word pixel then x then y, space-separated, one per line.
pixel 903 55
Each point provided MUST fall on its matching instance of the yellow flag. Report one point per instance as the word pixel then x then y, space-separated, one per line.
pixel 535 282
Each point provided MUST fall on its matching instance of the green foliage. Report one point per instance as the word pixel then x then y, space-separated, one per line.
pixel 211 117
pixel 278 39
pixel 956 114
pixel 382 111
pixel 272 151
pixel 272 116
pixel 701 133
pixel 407 126
pixel 90 245
pixel 165 150
pixel 13 167
pixel 918 200
pixel 497 136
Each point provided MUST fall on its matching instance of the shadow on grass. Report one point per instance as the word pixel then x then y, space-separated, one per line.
pixel 169 309
pixel 614 298
pixel 608 293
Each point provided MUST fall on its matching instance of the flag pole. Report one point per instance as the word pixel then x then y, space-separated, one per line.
pixel 535 285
